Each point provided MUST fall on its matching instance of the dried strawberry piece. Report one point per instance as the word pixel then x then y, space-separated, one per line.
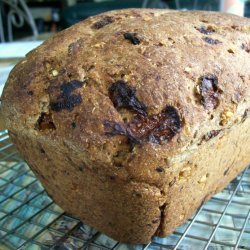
pixel 45 122
pixel 67 100
pixel 154 129
pixel 103 22
pixel 209 91
pixel 132 37
pixel 124 96
pixel 211 40
pixel 206 30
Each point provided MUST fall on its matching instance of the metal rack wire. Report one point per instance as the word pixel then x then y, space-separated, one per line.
pixel 30 220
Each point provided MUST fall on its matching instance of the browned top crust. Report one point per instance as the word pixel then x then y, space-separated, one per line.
pixel 132 89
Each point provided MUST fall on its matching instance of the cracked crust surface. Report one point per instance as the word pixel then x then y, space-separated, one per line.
pixel 130 179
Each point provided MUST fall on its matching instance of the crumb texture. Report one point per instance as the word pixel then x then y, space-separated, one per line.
pixel 132 118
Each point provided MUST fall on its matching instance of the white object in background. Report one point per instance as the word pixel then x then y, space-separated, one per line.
pixel 42 12
pixel 71 2
pixel 4 73
pixel 17 49
pixel 233 6
pixel 13 50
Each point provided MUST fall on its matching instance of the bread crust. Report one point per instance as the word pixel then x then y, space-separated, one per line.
pixel 124 114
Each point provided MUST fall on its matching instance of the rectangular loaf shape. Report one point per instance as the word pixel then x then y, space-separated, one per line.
pixel 133 118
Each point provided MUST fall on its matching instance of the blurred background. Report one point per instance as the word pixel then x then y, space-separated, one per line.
pixel 38 19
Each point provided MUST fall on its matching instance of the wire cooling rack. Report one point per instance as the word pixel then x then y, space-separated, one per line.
pixel 30 220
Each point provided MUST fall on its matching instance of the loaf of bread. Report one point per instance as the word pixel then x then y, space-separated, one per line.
pixel 133 118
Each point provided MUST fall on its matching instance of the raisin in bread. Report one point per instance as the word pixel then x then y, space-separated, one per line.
pixel 133 118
